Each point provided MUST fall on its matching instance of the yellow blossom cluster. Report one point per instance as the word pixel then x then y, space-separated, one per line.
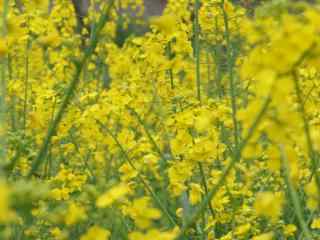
pixel 202 123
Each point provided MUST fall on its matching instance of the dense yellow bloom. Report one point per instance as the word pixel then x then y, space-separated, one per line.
pixel 242 229
pixel 153 234
pixel 312 192
pixel 257 74
pixel 112 195
pixel 269 204
pixel 75 214
pixel 264 236
pixel 195 193
pixel 315 223
pixel 52 40
pixel 60 194
pixel 3 47
pixel 142 213
pixel 289 230
pixel 58 234
pixel 166 23
pixel 6 214
pixel 96 233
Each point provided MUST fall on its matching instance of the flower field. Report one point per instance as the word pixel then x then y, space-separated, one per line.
pixel 199 124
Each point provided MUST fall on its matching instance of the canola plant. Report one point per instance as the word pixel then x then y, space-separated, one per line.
pixel 206 126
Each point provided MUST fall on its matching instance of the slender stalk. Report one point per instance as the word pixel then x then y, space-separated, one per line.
pixel 226 171
pixel 206 188
pixel 311 152
pixel 230 61
pixel 5 10
pixel 151 139
pixel 197 52
pixel 141 179
pixel 26 86
pixel 197 47
pixel 71 88
pixel 163 163
pixel 3 65
pixel 170 72
pixel 294 196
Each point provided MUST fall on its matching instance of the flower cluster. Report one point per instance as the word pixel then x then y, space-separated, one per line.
pixel 205 124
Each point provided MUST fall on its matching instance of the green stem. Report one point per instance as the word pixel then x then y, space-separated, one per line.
pixel 236 158
pixel 141 179
pixel 231 75
pixel 71 88
pixel 151 139
pixel 206 188
pixel 197 51
pixel 197 47
pixel 4 17
pixel 170 72
pixel 294 196
pixel 3 65
pixel 311 152
pixel 26 86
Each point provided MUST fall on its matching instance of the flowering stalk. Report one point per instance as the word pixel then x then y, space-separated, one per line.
pixel 26 86
pixel 311 152
pixel 164 160
pixel 197 47
pixel 151 139
pixel 141 179
pixel 231 74
pixel 206 188
pixel 71 88
pixel 294 196
pixel 3 64
pixel 227 170
pixel 197 51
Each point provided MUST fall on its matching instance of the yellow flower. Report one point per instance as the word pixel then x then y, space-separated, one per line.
pixel 14 27
pixel 60 194
pixel 242 229
pixel 264 236
pixel 6 215
pixel 166 23
pixel 75 214
pixel 269 204
pixel 142 213
pixel 181 142
pixel 112 195
pixel 289 230
pixel 3 47
pixel 179 212
pixel 36 4
pixel 52 40
pixel 228 7
pixel 154 234
pixel 127 172
pixel 315 223
pixel 195 193
pixel 311 190
pixel 96 233
pixel 58 234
